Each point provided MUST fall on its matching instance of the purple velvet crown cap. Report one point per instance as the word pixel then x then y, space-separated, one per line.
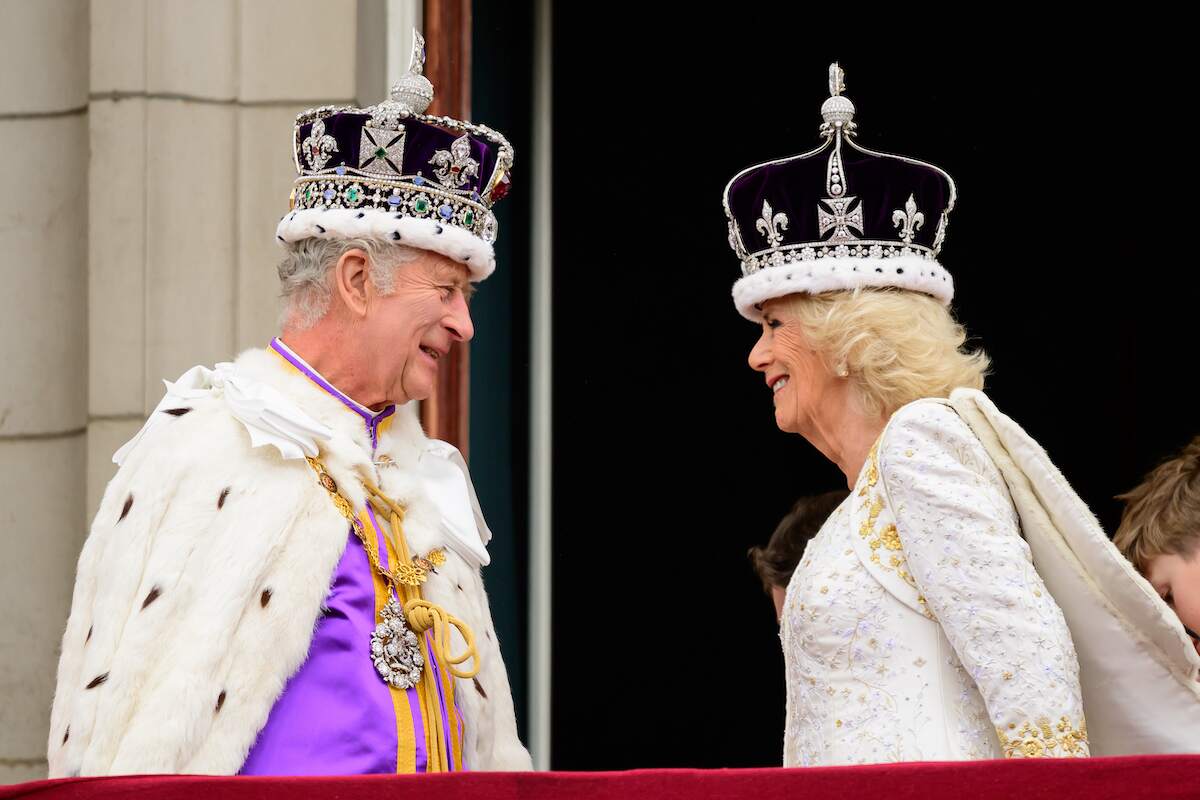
pixel 393 173
pixel 838 217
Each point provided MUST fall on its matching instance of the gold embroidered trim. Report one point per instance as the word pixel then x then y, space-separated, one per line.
pixel 872 476
pixel 889 538
pixel 414 573
pixel 1043 739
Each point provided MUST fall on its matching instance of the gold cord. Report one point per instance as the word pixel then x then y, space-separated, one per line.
pixel 406 579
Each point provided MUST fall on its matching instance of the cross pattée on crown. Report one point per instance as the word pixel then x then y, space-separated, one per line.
pixel 841 220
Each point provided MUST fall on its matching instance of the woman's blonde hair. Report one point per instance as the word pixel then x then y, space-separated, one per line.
pixel 897 346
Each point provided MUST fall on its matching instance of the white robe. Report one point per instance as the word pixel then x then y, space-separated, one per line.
pixel 916 627
pixel 206 523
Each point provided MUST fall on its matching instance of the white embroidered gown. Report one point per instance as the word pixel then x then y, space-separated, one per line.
pixel 915 627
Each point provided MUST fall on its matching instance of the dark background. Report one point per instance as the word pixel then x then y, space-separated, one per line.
pixel 501 97
pixel 1073 265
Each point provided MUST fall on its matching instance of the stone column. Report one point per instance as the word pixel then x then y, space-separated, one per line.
pixel 193 103
pixel 43 321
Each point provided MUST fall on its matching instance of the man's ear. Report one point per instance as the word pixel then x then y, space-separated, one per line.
pixel 350 278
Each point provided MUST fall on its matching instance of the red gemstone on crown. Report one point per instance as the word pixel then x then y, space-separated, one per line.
pixel 500 190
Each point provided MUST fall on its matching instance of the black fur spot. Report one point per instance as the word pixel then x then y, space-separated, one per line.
pixel 176 412
pixel 359 215
pixel 67 735
pixel 89 636
pixel 125 510
pixel 220 702
pixel 438 229
pixel 96 681
pixel 320 229
pixel 395 235
pixel 479 688
pixel 221 499
pixel 150 598
pixel 265 598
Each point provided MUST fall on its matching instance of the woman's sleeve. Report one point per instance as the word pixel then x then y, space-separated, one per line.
pixel 961 538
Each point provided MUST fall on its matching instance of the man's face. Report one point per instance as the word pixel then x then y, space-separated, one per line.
pixel 410 331
pixel 1176 578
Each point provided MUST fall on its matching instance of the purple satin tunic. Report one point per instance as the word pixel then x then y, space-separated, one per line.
pixel 335 717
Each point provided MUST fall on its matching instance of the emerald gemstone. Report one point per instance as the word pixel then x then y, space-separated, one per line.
pixel 380 152
pixel 352 195
pixel 421 206
pixel 469 218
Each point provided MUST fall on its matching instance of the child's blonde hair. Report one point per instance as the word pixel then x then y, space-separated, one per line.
pixel 1162 515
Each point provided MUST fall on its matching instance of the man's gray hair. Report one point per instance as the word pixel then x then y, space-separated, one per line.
pixel 305 274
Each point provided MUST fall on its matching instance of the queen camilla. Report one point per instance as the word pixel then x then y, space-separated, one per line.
pixel 915 626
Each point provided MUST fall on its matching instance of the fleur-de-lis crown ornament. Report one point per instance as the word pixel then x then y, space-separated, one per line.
pixel 455 166
pixel 838 217
pixel 395 173
pixel 771 225
pixel 319 146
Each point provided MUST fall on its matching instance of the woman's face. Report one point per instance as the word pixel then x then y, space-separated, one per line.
pixel 803 387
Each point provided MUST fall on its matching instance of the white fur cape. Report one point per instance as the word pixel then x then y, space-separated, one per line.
pixel 199 587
